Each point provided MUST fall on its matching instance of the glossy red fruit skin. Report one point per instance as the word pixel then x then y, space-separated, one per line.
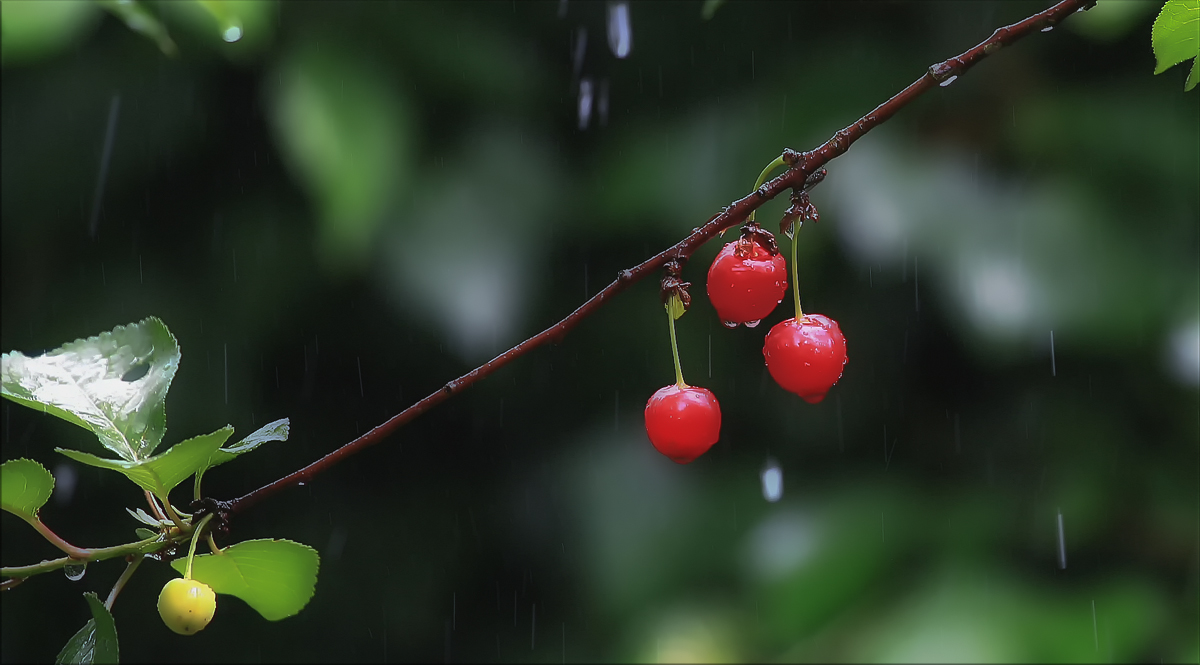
pixel 746 282
pixel 806 357
pixel 683 422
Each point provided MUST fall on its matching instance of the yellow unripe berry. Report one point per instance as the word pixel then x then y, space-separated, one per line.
pixel 186 606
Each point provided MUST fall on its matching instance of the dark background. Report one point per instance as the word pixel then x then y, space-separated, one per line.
pixel 358 202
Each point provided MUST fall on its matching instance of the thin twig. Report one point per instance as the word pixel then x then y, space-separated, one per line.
pixel 801 165
pixel 125 575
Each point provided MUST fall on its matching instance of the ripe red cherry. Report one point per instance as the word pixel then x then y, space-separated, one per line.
pixel 747 279
pixel 806 357
pixel 683 422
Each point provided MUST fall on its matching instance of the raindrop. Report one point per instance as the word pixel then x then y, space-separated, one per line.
pixel 1062 543
pixel 301 484
pixel 1053 369
pixel 580 48
pixel 729 324
pixel 114 110
pixel 772 480
pixel 620 35
pixel 585 102
pixel 948 81
pixel 232 33
pixel 754 323
pixel 1047 28
pixel 74 572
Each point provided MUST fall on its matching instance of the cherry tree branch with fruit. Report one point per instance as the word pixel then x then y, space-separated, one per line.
pixel 803 172
pixel 115 385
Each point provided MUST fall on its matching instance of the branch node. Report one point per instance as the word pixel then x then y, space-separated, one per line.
pixel 672 285
pixel 941 71
pixel 814 179
pixel 220 510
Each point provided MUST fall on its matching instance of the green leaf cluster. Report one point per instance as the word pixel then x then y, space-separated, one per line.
pixel 115 385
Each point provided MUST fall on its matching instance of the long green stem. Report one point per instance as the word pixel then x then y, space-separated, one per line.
pixel 97 554
pixel 187 575
pixel 675 349
pixel 125 575
pixel 795 271
pixel 762 177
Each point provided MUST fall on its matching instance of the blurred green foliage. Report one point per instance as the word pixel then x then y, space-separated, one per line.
pixel 356 202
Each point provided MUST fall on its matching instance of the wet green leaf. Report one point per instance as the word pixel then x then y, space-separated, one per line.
pixel 25 486
pixel 274 431
pixel 96 642
pixel 161 473
pixel 114 384
pixel 275 577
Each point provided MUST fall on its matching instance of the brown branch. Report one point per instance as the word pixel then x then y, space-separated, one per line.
pixel 800 166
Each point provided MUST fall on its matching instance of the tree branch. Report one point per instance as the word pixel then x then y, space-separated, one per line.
pixel 800 166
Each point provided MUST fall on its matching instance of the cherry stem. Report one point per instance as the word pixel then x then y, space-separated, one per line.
pixel 675 349
pixel 187 575
pixel 212 544
pixel 795 270
pixel 762 177
pixel 128 573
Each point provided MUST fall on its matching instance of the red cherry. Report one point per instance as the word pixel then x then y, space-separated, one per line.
pixel 806 357
pixel 747 279
pixel 683 422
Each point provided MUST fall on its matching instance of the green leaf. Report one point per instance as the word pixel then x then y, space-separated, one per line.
pixel 25 486
pixel 139 19
pixel 143 534
pixel 1176 37
pixel 275 577
pixel 114 384
pixel 275 431
pixel 343 131
pixel 141 516
pixel 161 473
pixel 96 642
